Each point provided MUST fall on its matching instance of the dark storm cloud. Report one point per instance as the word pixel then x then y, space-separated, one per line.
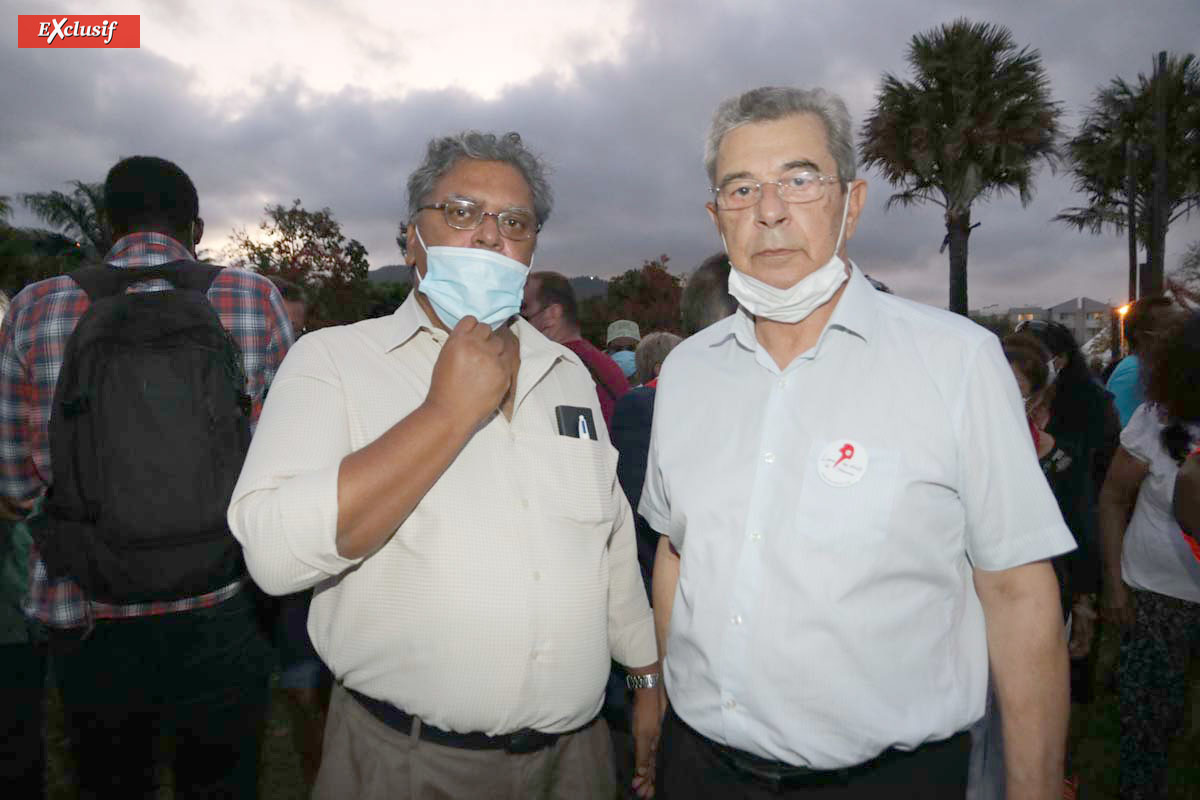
pixel 624 138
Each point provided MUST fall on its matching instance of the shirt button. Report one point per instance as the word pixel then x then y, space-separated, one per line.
pixel 755 536
pixel 537 576
pixel 730 704
pixel 524 504
pixel 769 458
pixel 783 383
pixel 737 619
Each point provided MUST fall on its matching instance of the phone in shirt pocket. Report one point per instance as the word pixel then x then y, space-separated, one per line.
pixel 848 517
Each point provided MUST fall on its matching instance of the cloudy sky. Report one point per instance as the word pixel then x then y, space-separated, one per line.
pixel 333 102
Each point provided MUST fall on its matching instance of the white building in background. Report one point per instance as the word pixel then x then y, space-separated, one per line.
pixel 1084 316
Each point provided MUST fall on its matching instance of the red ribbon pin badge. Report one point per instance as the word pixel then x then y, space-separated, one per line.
pixel 842 463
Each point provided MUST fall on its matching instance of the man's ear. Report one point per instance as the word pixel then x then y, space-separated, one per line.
pixel 410 245
pixel 712 214
pixel 858 199
pixel 197 231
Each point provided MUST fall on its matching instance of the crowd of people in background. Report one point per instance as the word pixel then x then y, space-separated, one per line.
pixel 817 541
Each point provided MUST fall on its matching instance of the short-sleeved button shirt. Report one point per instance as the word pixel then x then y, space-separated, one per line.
pixel 826 611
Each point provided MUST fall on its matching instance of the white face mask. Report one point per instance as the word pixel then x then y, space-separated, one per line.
pixel 801 298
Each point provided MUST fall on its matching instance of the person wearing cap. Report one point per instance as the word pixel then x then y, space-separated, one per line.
pixel 620 343
pixel 853 520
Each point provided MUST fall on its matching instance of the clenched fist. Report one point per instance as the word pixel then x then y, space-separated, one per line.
pixel 474 371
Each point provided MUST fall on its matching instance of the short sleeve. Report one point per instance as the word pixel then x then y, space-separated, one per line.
pixel 1140 436
pixel 1010 512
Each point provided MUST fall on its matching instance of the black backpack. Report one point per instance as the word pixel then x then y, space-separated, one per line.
pixel 149 429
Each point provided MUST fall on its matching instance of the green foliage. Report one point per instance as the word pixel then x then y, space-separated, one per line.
pixel 308 248
pixel 649 296
pixel 975 121
pixel 1123 113
pixel 28 255
pixel 80 215
pixel 998 324
pixel 384 298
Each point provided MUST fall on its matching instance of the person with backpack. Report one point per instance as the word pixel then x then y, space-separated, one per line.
pixel 128 392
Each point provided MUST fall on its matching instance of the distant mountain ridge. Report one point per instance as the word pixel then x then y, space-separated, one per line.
pixel 392 273
pixel 585 286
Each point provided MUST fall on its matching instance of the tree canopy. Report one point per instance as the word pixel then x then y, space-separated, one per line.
pixel 79 215
pixel 1118 133
pixel 308 248
pixel 975 121
pixel 649 296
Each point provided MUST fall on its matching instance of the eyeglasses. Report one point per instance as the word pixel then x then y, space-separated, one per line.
pixel 467 215
pixel 796 186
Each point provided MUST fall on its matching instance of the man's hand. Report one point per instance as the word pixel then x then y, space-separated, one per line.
pixel 648 708
pixel 473 372
pixel 1083 627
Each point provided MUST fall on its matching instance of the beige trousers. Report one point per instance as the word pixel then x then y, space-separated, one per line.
pixel 366 760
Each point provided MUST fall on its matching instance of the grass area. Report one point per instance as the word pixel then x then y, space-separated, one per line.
pixel 1095 729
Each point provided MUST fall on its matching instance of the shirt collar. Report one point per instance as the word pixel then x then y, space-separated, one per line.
pixel 410 318
pixel 146 249
pixel 855 313
pixel 407 320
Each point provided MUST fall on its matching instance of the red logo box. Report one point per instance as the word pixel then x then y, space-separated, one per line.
pixel 79 30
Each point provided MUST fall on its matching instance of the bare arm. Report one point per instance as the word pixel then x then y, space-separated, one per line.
pixel 1187 495
pixel 662 591
pixel 380 484
pixel 1028 653
pixel 1117 499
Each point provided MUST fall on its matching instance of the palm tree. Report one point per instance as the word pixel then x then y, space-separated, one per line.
pixel 79 214
pixel 1115 148
pixel 976 120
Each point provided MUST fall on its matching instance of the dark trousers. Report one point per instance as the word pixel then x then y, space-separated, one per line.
pixel 1153 669
pixel 22 746
pixel 199 676
pixel 692 767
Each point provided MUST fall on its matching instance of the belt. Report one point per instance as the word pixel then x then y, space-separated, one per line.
pixel 526 740
pixel 779 775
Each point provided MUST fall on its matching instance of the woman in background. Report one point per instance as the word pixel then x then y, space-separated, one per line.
pixel 1151 577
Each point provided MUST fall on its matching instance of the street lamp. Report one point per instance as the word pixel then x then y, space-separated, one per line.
pixel 1121 312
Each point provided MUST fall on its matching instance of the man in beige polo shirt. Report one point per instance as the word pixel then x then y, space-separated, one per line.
pixel 443 478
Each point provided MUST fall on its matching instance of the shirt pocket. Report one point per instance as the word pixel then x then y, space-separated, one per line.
pixel 849 517
pixel 575 478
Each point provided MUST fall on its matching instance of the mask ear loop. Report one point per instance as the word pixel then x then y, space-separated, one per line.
pixel 842 228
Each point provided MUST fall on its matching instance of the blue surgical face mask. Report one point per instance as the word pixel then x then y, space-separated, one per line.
pixel 626 361
pixel 469 281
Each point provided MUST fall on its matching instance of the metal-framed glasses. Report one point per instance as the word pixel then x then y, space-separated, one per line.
pixel 795 186
pixel 467 215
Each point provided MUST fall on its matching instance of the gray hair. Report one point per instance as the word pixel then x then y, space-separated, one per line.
pixel 444 152
pixel 652 352
pixel 770 103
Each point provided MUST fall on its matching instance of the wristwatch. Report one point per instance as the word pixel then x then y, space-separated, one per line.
pixel 642 681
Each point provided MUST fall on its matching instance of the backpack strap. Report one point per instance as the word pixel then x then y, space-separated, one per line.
pixel 597 380
pixel 103 280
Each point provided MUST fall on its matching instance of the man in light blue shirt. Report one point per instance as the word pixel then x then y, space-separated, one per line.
pixel 853 519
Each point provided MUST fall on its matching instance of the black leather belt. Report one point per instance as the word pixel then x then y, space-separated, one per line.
pixel 526 740
pixel 779 775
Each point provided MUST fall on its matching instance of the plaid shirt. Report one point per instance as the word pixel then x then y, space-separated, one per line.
pixel 32 341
